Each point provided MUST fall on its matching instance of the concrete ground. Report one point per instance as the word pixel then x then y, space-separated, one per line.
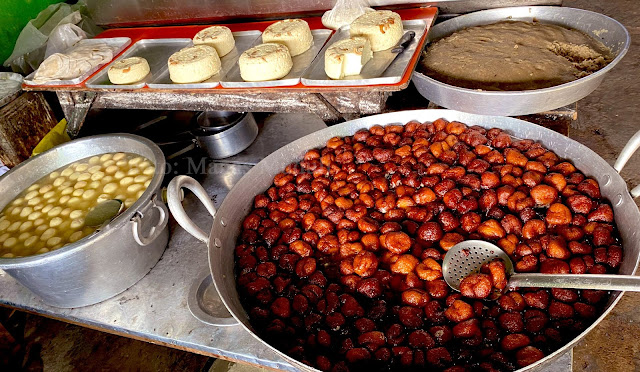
pixel 607 119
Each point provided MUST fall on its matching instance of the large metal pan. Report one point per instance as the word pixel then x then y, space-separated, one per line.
pixel 228 219
pixel 609 31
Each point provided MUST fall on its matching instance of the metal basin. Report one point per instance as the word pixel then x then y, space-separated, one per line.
pixel 511 103
pixel 109 261
pixel 221 239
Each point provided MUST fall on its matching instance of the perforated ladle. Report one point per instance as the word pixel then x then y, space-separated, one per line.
pixel 467 257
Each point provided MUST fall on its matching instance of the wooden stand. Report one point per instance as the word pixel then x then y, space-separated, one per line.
pixel 332 106
pixel 23 123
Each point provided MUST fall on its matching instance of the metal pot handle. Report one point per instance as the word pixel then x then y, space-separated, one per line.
pixel 156 230
pixel 629 149
pixel 175 204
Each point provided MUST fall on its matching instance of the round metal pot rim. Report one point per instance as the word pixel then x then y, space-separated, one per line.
pixel 237 117
pixel 122 219
pixel 234 127
pixel 524 10
pixel 216 238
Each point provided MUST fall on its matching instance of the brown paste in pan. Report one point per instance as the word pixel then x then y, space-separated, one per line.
pixel 514 55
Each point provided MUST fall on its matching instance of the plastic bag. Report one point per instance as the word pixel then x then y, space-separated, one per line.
pixel 63 37
pixel 344 12
pixel 31 46
pixel 56 136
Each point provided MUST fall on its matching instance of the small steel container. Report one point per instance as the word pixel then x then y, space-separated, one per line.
pixel 224 133
pixel 511 103
pixel 109 261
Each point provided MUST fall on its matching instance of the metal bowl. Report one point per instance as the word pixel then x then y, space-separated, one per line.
pixel 106 262
pixel 235 136
pixel 511 103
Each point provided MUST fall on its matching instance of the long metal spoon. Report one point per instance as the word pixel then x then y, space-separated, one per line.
pixel 467 257
pixel 103 212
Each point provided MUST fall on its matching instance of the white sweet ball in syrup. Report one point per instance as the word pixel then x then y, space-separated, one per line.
pixel 14 226
pixel 34 215
pixel 84 176
pixel 75 236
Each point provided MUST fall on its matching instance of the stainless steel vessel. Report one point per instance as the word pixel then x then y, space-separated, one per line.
pixel 221 240
pixel 109 261
pixel 225 133
pixel 510 103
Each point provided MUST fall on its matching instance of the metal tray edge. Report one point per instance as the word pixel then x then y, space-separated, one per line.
pixel 382 80
pixel 126 43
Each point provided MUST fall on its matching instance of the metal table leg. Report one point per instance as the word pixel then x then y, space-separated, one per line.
pixel 75 106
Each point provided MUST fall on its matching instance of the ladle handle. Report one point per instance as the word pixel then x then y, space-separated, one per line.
pixel 606 282
pixel 629 149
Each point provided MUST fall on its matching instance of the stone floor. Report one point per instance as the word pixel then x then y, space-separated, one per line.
pixel 607 119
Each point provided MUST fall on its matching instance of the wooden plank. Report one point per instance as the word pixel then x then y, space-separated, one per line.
pixel 357 102
pixel 23 123
pixel 258 102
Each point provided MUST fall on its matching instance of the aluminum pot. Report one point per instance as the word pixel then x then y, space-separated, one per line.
pixel 223 133
pixel 227 223
pixel 109 261
pixel 511 103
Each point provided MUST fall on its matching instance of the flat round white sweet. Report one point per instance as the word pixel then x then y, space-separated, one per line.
pixel 128 71
pixel 383 28
pixel 292 33
pixel 218 37
pixel 264 62
pixel 347 57
pixel 193 64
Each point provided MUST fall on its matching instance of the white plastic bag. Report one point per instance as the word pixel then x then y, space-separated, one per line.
pixel 31 45
pixel 344 12
pixel 63 37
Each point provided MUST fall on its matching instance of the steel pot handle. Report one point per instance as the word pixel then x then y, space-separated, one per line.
pixel 629 149
pixel 175 204
pixel 156 230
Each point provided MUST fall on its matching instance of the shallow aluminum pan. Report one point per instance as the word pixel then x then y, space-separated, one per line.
pixel 118 42
pixel 244 40
pixel 155 51
pixel 609 31
pixel 227 223
pixel 300 64
pixel 316 76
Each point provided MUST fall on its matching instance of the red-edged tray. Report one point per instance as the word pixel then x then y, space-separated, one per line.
pixel 138 33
